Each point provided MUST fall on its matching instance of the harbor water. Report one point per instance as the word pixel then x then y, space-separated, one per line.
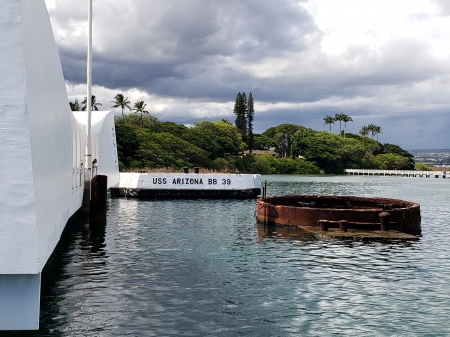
pixel 205 268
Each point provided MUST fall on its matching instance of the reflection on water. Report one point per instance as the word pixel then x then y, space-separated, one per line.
pixel 204 268
pixel 283 234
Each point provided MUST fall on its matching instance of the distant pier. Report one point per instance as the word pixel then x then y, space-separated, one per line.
pixel 399 173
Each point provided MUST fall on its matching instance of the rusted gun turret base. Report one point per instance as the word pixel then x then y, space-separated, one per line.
pixel 343 216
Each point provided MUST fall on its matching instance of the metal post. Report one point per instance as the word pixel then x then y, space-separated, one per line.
pixel 384 221
pixel 98 200
pixel 89 93
pixel 343 226
pixel 323 225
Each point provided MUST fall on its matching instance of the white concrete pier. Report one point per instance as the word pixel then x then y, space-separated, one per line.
pixel 398 173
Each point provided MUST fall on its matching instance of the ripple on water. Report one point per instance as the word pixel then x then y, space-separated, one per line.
pixel 203 268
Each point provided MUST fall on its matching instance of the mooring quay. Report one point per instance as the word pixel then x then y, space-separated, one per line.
pixel 399 173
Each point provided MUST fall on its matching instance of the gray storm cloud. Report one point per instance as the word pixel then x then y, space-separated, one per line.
pixel 207 51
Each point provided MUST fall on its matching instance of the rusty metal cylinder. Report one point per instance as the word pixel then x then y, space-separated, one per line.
pixel 343 225
pixel 360 212
pixel 385 217
pixel 197 170
pixel 323 225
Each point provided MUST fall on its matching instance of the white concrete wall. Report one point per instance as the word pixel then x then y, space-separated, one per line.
pixel 50 122
pixel 17 199
pixel 108 161
pixel 78 156
pixel 19 302
pixel 104 147
pixel 37 160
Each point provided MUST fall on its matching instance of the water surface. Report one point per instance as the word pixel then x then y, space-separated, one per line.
pixel 204 268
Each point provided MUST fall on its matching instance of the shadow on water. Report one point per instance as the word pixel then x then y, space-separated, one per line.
pixel 79 241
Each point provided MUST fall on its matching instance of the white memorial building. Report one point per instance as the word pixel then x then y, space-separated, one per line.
pixel 42 146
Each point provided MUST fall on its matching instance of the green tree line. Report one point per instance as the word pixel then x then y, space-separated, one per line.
pixel 219 146
pixel 144 142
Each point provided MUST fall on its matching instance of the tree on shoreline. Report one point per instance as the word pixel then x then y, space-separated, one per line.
pixel 75 106
pixel 364 132
pixel 139 107
pixel 345 119
pixel 244 110
pixel 377 130
pixel 122 102
pixel 374 130
pixel 340 118
pixel 240 110
pixel 328 120
pixel 283 136
pixel 250 118
pixel 94 103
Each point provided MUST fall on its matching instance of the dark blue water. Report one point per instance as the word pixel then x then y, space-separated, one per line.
pixel 204 268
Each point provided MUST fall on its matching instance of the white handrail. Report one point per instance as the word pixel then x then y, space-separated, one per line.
pixel 408 173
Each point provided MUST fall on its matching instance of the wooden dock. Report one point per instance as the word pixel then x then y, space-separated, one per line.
pixel 398 173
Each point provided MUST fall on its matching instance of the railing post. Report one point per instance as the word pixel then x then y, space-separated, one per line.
pixel 343 225
pixel 98 200
pixel 323 225
pixel 384 220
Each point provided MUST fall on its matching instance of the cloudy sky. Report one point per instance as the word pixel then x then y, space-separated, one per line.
pixel 385 62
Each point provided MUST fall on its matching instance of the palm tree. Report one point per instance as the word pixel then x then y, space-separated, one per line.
pixel 364 131
pixel 123 103
pixel 377 130
pixel 329 120
pixel 340 118
pixel 139 107
pixel 94 104
pixel 345 119
pixel 74 106
pixel 374 129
